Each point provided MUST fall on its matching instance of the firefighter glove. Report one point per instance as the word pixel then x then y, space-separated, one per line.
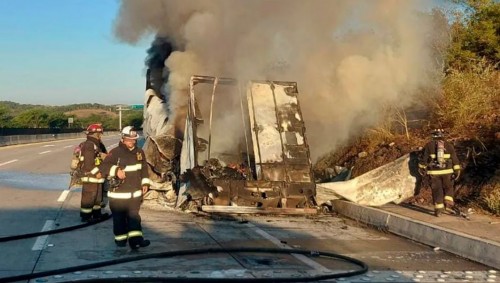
pixel 456 175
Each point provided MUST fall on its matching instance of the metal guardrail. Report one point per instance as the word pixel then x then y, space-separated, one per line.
pixel 23 139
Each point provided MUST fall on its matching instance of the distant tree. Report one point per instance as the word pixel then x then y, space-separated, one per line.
pixel 93 118
pixel 475 34
pixel 107 122
pixel 33 118
pixel 5 116
pixel 57 120
pixel 110 124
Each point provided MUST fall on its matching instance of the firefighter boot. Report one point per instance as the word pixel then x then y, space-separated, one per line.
pixel 139 244
pixel 98 216
pixel 86 217
pixel 121 244
pixel 448 202
pixel 450 206
pixel 438 211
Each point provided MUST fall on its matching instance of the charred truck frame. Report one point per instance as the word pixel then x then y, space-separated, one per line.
pixel 245 152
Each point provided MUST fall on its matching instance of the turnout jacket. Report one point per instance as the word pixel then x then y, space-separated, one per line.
pixel 429 160
pixel 91 150
pixel 133 162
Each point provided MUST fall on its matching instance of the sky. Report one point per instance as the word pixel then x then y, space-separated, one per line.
pixel 59 52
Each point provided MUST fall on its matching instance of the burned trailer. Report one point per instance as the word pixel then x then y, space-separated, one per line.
pixel 244 149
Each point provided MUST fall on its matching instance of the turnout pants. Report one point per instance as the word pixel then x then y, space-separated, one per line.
pixel 126 220
pixel 91 200
pixel 442 191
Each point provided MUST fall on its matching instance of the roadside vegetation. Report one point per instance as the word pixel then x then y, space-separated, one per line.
pixel 15 115
pixel 466 105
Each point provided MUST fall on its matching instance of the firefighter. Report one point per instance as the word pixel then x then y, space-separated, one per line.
pixel 441 164
pixel 92 180
pixel 127 165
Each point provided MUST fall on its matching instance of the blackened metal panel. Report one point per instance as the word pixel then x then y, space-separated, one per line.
pixel 273 172
pixel 278 132
pixel 295 148
pixel 299 173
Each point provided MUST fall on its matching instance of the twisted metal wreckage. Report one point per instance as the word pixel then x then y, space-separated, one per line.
pixel 245 151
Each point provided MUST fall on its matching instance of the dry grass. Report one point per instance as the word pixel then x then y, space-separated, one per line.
pixel 85 113
pixel 492 199
pixel 470 104
pixel 468 96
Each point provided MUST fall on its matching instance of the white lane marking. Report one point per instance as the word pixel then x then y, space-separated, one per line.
pixel 68 146
pixel 63 196
pixel 40 241
pixel 43 152
pixel 5 163
pixel 48 145
pixel 278 243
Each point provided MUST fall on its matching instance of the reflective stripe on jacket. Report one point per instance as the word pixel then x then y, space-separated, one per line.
pixel 92 180
pixel 116 195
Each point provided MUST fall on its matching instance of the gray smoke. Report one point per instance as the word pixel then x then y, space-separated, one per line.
pixel 350 58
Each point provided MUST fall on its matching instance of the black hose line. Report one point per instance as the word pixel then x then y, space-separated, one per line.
pixel 362 265
pixel 50 232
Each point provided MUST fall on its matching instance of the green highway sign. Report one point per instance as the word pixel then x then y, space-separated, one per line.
pixel 136 106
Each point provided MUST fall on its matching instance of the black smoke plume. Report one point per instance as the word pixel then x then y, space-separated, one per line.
pixel 157 73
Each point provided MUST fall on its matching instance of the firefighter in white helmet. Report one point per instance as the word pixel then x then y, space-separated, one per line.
pixel 127 164
pixel 92 153
pixel 441 164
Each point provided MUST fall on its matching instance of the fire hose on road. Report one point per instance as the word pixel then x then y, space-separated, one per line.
pixel 363 268
pixel 50 232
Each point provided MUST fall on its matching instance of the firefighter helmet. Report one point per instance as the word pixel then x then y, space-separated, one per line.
pixel 437 133
pixel 94 128
pixel 130 133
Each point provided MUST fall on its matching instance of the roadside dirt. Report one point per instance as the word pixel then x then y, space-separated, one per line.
pixel 84 113
pixel 478 150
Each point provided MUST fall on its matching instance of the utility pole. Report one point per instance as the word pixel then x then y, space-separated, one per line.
pixel 120 108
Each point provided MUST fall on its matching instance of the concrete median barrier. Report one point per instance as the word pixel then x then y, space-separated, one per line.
pixel 474 248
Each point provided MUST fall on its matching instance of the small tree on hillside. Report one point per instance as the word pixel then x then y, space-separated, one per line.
pixel 4 117
pixel 475 34
pixel 57 120
pixel 33 118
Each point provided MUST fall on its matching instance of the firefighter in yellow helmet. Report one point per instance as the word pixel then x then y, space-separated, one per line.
pixel 92 153
pixel 126 164
pixel 441 164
